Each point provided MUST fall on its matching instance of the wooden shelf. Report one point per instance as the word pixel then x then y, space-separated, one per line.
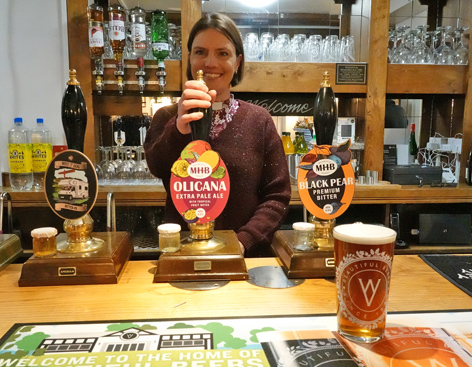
pixel 427 79
pixel 290 77
pixel 155 195
pixel 404 194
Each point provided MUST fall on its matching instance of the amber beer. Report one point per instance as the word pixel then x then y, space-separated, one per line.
pixel 363 256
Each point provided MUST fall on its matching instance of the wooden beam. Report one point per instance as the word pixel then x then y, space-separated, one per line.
pixel 79 60
pixel 376 86
pixel 467 123
pixel 191 13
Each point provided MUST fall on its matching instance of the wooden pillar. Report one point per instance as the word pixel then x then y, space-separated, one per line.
pixel 376 86
pixel 467 122
pixel 79 60
pixel 191 12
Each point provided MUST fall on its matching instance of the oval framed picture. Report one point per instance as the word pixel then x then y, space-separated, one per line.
pixel 71 185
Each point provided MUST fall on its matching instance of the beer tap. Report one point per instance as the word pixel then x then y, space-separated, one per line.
pixel 6 196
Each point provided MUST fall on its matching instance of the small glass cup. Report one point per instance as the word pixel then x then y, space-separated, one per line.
pixel 304 236
pixel 169 237
pixel 363 256
pixel 44 241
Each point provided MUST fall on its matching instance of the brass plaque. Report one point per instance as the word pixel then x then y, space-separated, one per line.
pixel 202 265
pixel 69 271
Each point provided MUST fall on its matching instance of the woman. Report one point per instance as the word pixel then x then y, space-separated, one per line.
pixel 243 134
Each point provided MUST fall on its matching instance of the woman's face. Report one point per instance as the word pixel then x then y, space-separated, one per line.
pixel 215 54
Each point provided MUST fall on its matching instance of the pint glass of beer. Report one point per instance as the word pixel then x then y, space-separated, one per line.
pixel 363 255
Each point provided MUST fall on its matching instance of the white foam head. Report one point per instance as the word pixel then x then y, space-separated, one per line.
pixel 364 234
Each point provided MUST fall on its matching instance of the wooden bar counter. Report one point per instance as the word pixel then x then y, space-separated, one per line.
pixel 414 287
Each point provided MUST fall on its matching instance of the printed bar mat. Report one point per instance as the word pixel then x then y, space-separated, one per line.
pixel 456 269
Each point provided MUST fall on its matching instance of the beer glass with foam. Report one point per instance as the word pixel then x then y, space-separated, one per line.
pixel 363 256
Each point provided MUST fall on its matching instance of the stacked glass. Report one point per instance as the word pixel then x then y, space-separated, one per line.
pixel 299 48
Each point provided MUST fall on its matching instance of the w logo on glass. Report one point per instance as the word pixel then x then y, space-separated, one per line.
pixel 369 290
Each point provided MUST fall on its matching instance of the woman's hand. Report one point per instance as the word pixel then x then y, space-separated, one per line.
pixel 195 95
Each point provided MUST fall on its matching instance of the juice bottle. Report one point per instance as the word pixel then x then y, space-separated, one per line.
pixel 287 143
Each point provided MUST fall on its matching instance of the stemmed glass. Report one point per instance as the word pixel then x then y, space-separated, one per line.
pixel 444 54
pixel 422 54
pixel 401 54
pixel 140 169
pixel 108 168
pixel 123 170
pixel 461 53
pixel 392 44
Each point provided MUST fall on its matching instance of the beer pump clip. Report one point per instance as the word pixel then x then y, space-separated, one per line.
pixel 200 189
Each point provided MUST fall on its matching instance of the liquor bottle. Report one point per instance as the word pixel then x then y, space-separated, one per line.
pixel 200 129
pixel 19 157
pixel 74 113
pixel 412 146
pixel 160 35
pixel 42 152
pixel 95 30
pixel 325 114
pixel 287 143
pixel 137 17
pixel 117 17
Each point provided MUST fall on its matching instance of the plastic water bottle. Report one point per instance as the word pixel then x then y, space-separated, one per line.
pixel 19 157
pixel 42 152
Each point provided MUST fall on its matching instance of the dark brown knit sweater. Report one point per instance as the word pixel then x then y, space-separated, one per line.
pixel 253 153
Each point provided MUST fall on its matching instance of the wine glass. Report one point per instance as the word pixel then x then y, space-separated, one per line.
pixel 444 54
pixel 461 53
pixel 421 53
pixel 140 169
pixel 123 171
pixel 108 168
pixel 402 53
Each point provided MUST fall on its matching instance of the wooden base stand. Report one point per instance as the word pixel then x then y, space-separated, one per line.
pixel 317 263
pixel 103 266
pixel 193 263
pixel 10 249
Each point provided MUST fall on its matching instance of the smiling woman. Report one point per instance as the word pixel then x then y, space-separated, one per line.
pixel 243 134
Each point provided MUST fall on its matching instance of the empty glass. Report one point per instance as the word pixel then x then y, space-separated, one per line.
pixel 140 169
pixel 421 53
pixel 401 53
pixel 444 54
pixel 251 47
pixel 299 48
pixel 461 53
